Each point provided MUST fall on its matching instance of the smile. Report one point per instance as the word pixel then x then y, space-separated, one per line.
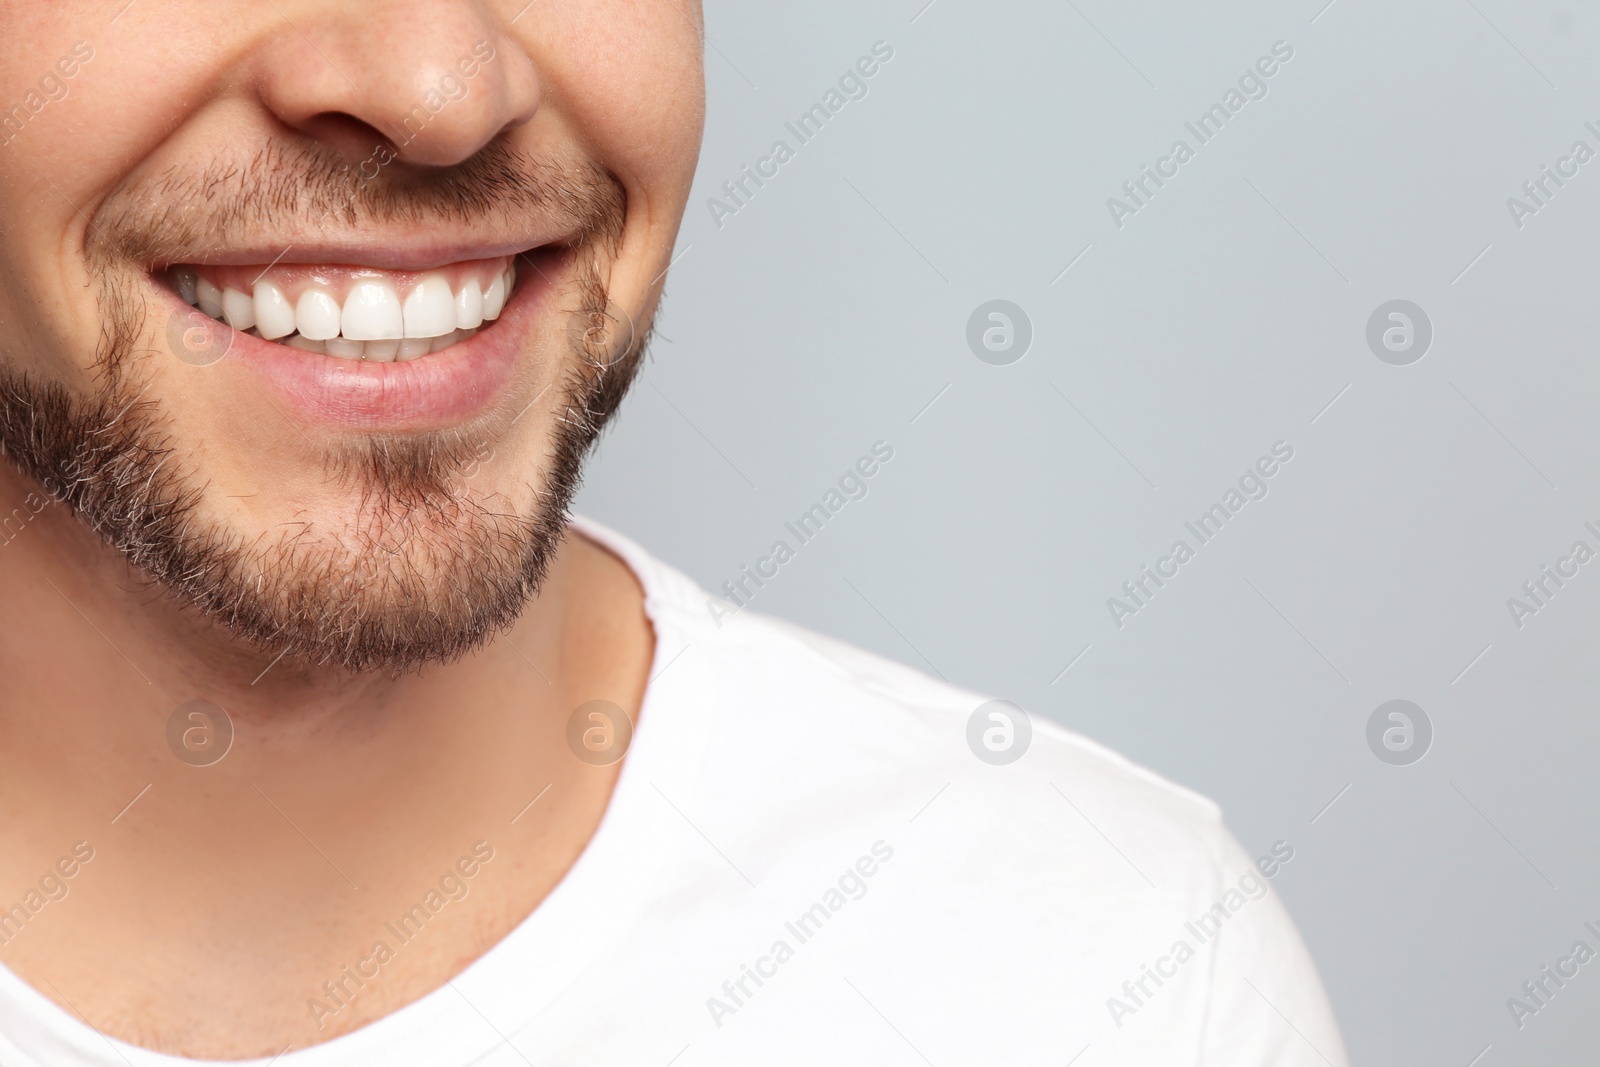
pixel 400 347
pixel 353 313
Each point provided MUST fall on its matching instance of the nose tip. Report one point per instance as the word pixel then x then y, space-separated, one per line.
pixel 438 80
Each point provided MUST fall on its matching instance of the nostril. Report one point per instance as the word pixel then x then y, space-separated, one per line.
pixel 353 138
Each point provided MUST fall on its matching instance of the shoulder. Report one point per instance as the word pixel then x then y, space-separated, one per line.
pixel 899 731
pixel 1069 868
pixel 799 715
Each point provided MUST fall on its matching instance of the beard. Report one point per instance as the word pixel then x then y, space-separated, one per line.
pixel 424 570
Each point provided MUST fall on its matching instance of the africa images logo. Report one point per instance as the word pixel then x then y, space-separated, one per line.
pixel 1252 85
pixel 852 85
pixel 850 885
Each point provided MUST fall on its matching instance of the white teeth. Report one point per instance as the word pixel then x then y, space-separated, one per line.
pixel 469 306
pixel 274 313
pixel 345 348
pixel 316 315
pixel 371 313
pixel 239 309
pixel 380 351
pixel 374 324
pixel 494 297
pixel 412 347
pixel 430 310
pixel 210 298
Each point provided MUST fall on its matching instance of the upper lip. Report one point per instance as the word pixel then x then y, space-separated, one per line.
pixel 380 251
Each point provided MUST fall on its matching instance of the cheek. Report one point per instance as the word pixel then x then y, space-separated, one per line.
pixel 38 152
pixel 626 79
pixel 629 78
pixel 122 100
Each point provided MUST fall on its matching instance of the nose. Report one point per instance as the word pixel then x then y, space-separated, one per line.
pixel 437 79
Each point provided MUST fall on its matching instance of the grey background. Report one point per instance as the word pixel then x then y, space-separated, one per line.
pixel 1223 317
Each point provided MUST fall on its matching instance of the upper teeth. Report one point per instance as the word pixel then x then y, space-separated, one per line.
pixel 373 322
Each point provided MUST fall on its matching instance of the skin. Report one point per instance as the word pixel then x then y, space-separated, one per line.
pixel 225 896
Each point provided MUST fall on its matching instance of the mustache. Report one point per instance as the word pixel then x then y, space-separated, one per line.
pixel 289 190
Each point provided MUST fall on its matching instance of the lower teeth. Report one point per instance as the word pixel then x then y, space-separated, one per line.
pixel 393 351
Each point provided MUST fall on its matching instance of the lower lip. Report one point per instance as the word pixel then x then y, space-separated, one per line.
pixel 428 392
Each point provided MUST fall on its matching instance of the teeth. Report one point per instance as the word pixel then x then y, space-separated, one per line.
pixel 430 310
pixel 494 297
pixel 187 280
pixel 371 313
pixel 373 324
pixel 274 313
pixel 412 347
pixel 239 309
pixel 316 315
pixel 210 298
pixel 348 349
pixel 469 306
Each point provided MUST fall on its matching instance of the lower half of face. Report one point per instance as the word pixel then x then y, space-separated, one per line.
pixel 350 465
pixel 339 409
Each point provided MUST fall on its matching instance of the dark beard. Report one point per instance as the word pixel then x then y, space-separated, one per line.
pixel 430 573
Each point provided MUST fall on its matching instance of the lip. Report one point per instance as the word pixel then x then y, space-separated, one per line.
pixel 378 252
pixel 429 392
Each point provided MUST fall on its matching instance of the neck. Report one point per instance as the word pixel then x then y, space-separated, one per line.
pixel 342 799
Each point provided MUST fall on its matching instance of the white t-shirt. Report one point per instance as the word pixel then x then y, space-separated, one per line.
pixel 806 862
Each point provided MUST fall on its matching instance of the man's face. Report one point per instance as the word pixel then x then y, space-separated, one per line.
pixel 245 249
